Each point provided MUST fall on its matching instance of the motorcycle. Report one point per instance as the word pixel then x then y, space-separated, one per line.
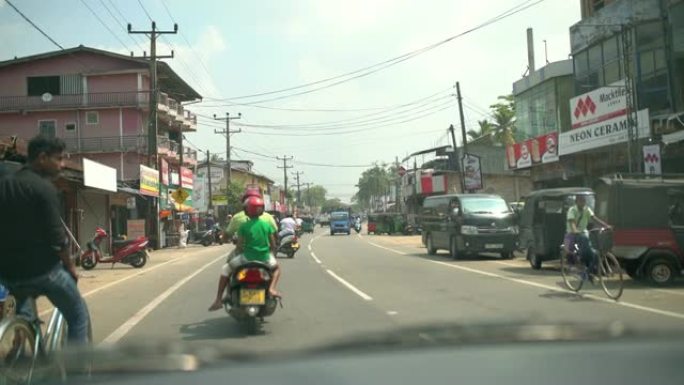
pixel 217 232
pixel 248 296
pixel 288 244
pixel 132 252
pixel 204 238
pixel 357 227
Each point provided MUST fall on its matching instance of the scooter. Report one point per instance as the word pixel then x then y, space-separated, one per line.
pixel 288 244
pixel 218 234
pixel 357 227
pixel 132 252
pixel 204 238
pixel 248 299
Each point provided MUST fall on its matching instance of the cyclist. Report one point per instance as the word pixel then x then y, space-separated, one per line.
pixel 35 260
pixel 576 232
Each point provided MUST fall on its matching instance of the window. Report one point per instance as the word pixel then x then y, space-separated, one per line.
pixel 92 117
pixel 650 36
pixel 610 49
pixel 580 62
pixel 70 126
pixel 38 85
pixel 46 128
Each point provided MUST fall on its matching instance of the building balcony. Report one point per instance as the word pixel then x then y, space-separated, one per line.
pixel 140 99
pixel 173 108
pixel 163 103
pixel 132 143
pixel 190 123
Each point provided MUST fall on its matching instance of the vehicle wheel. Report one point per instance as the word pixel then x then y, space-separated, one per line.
pixel 139 260
pixel 331 233
pixel 572 270
pixel 430 246
pixel 535 262
pixel 18 342
pixel 9 307
pixel 348 232
pixel 610 275
pixel 251 325
pixel 206 242
pixel 453 249
pixel 660 271
pixel 508 255
pixel 291 254
pixel 88 262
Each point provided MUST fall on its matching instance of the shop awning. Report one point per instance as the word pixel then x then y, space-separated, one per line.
pixel 673 137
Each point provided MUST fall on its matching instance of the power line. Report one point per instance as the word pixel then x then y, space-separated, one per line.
pixel 382 65
pixel 34 24
pixel 145 10
pixel 103 23
pixel 122 22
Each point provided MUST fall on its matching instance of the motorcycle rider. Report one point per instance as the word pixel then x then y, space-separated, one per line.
pixel 288 226
pixel 35 258
pixel 256 242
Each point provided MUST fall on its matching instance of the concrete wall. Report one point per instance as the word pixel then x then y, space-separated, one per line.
pixel 510 187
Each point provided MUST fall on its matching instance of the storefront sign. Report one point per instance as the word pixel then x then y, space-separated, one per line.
pixel 200 193
pixel 187 177
pixel 472 172
pixel 652 159
pixel 599 105
pixel 98 175
pixel 149 181
pixel 542 149
pixel 613 129
pixel 219 200
pixel 135 228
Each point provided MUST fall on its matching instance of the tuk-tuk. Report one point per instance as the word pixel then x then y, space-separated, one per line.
pixel 542 221
pixel 307 224
pixel 647 215
pixel 371 226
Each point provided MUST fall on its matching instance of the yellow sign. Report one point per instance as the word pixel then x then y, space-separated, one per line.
pixel 149 181
pixel 180 196
pixel 219 200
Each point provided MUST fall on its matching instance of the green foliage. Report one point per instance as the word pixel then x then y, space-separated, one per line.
pixel 374 182
pixel 314 196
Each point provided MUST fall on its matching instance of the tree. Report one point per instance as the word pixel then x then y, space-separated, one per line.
pixel 373 185
pixel 314 196
pixel 484 134
pixel 503 113
pixel 333 204
pixel 216 158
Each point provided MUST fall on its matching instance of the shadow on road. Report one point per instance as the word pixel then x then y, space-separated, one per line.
pixel 218 328
pixel 570 296
pixel 526 270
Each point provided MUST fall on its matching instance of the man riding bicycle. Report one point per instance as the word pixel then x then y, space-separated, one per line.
pixel 576 232
pixel 35 259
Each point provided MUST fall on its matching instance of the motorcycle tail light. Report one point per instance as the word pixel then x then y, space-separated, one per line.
pixel 250 276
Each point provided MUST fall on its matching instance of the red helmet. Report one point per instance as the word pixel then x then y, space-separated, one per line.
pixel 251 192
pixel 254 206
pixel 100 232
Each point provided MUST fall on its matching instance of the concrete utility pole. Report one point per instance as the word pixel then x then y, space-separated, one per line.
pixel 210 205
pixel 152 154
pixel 285 159
pixel 227 132
pixel 299 185
pixel 463 135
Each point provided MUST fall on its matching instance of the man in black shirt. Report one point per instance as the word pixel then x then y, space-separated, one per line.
pixel 34 260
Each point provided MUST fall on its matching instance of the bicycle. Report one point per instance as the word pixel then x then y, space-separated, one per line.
pixel 609 272
pixel 23 344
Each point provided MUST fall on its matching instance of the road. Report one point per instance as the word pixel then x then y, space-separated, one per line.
pixel 339 287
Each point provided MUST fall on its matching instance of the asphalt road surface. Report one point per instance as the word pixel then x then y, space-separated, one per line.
pixel 341 287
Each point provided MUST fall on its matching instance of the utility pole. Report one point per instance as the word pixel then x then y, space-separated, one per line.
pixel 152 155
pixel 285 159
pixel 308 194
pixel 632 124
pixel 210 206
pixel 463 135
pixel 227 132
pixel 299 191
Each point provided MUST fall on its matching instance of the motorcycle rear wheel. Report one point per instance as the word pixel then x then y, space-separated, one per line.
pixel 88 262
pixel 139 260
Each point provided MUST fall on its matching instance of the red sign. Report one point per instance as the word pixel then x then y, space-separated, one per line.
pixel 186 177
pixel 542 149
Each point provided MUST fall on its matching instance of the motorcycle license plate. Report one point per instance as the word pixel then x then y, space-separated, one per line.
pixel 295 246
pixel 494 246
pixel 252 296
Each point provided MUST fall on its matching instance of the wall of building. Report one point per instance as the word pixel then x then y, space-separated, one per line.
pixel 112 83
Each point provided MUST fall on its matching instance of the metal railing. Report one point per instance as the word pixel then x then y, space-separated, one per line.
pixel 107 144
pixel 104 99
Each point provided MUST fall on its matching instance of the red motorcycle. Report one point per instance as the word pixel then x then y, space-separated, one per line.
pixel 131 252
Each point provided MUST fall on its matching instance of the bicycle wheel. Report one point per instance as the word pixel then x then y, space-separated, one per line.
pixel 572 270
pixel 17 351
pixel 610 275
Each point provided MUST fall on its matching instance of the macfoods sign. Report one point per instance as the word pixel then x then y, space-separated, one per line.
pixel 599 118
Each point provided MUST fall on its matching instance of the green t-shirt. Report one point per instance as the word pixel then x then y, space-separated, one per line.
pixel 257 235
pixel 581 218
pixel 240 218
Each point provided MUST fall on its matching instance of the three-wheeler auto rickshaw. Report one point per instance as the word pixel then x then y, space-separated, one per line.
pixel 543 219
pixel 307 224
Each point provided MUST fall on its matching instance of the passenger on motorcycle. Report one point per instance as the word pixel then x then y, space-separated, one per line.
pixel 576 231
pixel 287 226
pixel 235 259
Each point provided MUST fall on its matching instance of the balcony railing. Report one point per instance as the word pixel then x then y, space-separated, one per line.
pixel 104 99
pixel 107 144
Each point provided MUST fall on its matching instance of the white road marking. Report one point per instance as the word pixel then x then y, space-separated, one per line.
pixel 350 286
pixel 558 289
pixel 118 281
pixel 387 248
pixel 507 264
pixel 309 247
pixel 313 255
pixel 426 337
pixel 392 312
pixel 142 313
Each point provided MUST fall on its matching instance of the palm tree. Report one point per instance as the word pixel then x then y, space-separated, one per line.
pixel 484 134
pixel 503 113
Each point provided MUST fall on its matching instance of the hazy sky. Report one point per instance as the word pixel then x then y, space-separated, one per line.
pixel 227 49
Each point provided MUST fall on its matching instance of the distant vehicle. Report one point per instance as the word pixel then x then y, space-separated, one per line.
pixel 469 224
pixel 339 222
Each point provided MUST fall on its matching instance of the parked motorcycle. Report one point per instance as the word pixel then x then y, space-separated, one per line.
pixel 131 252
pixel 204 237
pixel 288 244
pixel 248 296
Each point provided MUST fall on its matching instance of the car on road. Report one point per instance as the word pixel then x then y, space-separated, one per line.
pixel 468 224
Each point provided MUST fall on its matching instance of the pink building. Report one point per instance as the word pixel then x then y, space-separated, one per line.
pixel 99 103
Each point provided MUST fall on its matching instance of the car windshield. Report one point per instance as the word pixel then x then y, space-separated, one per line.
pixel 485 206
pixel 172 142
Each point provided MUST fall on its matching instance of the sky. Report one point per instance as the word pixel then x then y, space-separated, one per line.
pixel 228 49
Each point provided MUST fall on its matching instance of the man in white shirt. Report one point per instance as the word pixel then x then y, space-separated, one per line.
pixel 287 225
